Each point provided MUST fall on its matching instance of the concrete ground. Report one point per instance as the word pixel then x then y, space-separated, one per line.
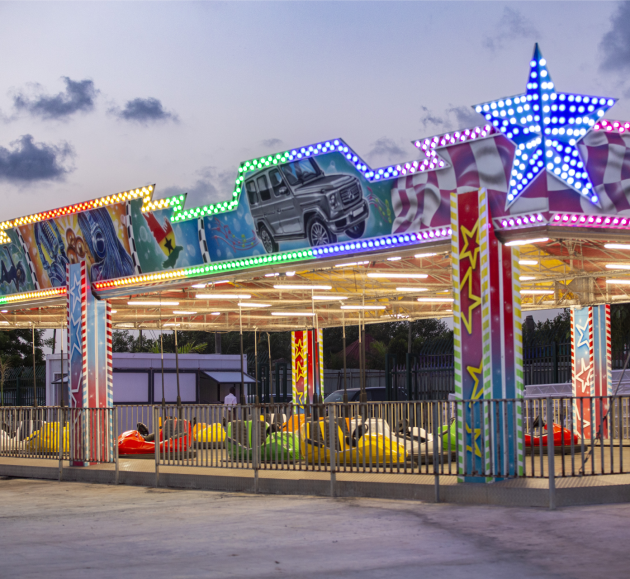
pixel 72 530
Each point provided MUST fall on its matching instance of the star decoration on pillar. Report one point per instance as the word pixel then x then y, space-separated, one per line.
pixel 471 240
pixel 583 339
pixel 546 125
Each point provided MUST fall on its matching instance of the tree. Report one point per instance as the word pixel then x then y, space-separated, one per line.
pixel 557 329
pixel 185 348
pixel 4 368
pixel 17 347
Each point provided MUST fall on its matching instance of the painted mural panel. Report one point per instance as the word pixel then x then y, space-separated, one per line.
pixel 318 199
pixel 99 237
pixel 161 244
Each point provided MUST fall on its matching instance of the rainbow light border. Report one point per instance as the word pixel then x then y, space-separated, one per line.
pixel 47 293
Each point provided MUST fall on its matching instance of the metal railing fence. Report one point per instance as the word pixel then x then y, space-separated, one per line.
pixel 78 435
pixel 471 439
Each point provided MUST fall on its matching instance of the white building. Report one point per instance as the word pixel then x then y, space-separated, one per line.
pixel 203 378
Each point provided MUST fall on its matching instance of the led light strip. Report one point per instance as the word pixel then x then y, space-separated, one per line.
pixel 144 192
pixel 581 220
pixel 57 291
pixel 386 241
pixel 612 126
pixel 446 139
pixel 520 221
pixel 223 267
pixel 175 202
pixel 284 257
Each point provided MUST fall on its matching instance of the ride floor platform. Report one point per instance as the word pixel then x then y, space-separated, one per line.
pixel 531 490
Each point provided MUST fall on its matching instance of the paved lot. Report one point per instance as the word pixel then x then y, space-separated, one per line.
pixel 50 529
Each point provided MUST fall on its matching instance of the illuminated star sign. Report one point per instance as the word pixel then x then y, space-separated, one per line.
pixel 546 126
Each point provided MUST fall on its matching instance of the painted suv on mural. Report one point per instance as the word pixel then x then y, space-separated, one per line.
pixel 299 201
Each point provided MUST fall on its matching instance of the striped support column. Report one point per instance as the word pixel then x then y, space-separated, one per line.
pixel 601 363
pixel 581 369
pixel 90 357
pixel 488 342
pixel 457 335
pixel 307 365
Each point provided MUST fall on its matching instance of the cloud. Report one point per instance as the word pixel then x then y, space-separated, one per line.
pixel 615 44
pixel 211 186
pixel 385 150
pixel 269 143
pixel 79 96
pixel 27 161
pixel 430 119
pixel 512 25
pixel 144 111
pixel 460 117
pixel 466 117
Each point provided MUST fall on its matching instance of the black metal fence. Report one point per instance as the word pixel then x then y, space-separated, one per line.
pixel 18 386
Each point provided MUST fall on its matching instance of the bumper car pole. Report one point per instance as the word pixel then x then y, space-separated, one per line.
pixel 179 400
pixel 363 395
pixel 34 377
pixel 155 426
pixel 270 381
pixel 256 359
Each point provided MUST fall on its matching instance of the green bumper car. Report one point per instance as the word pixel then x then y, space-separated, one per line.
pixel 277 446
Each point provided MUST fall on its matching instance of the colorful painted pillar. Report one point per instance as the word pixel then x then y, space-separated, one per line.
pixel 90 362
pixel 591 369
pixel 307 365
pixel 488 343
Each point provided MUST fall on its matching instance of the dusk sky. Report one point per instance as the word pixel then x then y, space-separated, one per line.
pixel 98 98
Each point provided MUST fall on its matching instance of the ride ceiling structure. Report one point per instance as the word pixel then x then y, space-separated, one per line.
pixel 529 211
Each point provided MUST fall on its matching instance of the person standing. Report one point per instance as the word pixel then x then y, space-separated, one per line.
pixel 231 399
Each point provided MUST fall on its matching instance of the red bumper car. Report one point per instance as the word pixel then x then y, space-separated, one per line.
pixel 560 436
pixel 174 439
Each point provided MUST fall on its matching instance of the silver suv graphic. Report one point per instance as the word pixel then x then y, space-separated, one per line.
pixel 297 201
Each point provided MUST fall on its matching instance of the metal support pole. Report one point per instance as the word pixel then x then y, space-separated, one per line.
pixel 179 400
pixel 157 447
pixel 115 433
pixel 345 382
pixel 256 358
pixel 162 360
pixel 270 386
pixel 61 402
pixel 240 320
pixel 34 377
pixel 436 452
pixel 551 464
pixel 256 443
pixel 332 436
pixel 61 423
pixel 363 395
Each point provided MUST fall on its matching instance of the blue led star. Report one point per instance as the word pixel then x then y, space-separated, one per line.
pixel 546 126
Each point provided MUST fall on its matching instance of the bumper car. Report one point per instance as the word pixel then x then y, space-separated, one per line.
pixel 46 439
pixel 208 435
pixel 560 436
pixel 357 442
pixel 175 439
pixel 277 446
pixel 294 423
pixel 17 439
